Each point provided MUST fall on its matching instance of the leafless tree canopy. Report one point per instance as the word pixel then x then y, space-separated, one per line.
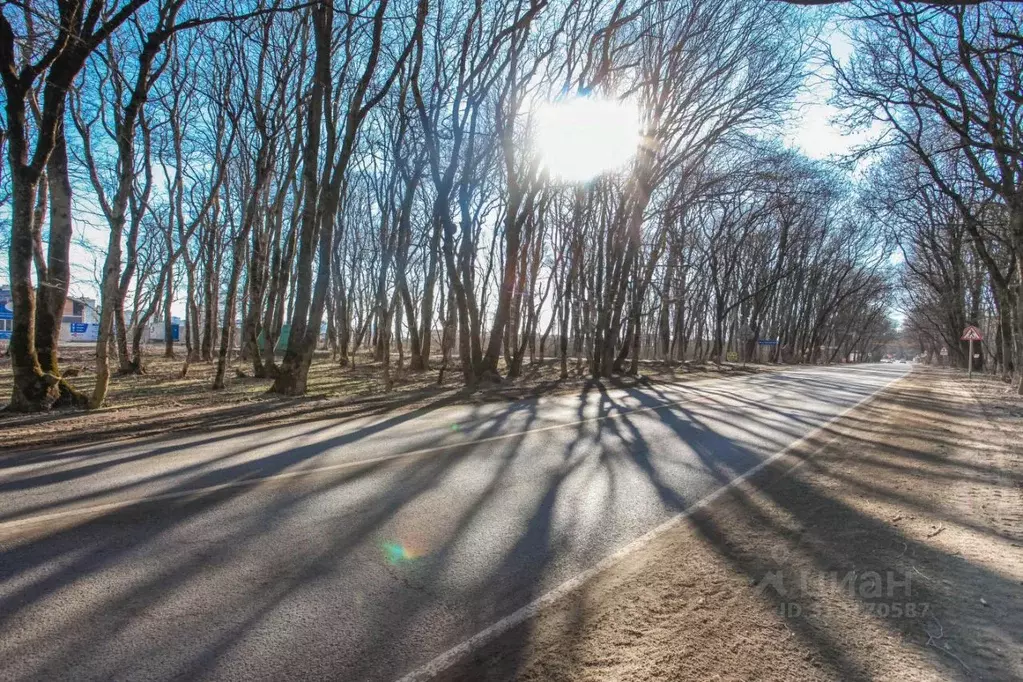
pixel 945 84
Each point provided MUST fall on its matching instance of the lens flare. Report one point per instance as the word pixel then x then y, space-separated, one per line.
pixel 396 552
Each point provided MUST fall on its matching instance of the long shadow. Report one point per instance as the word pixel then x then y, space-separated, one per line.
pixel 249 415
pixel 818 514
pixel 254 471
pixel 152 449
pixel 251 470
pixel 811 508
pixel 522 571
pixel 88 548
pixel 284 561
pixel 722 458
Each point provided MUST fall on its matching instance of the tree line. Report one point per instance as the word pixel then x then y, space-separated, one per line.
pixel 365 176
pixel 947 85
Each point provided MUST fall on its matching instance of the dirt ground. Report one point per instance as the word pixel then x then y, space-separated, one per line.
pixel 887 547
pixel 162 401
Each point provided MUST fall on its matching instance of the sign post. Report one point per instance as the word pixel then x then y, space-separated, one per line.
pixel 770 343
pixel 747 335
pixel 971 334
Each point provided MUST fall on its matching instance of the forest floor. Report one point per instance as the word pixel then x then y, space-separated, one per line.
pixel 162 401
pixel 889 546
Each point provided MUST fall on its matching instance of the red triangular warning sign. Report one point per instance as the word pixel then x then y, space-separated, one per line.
pixel 971 333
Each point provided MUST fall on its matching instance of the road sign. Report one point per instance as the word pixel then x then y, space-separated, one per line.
pixel 768 342
pixel 944 351
pixel 80 331
pixel 971 333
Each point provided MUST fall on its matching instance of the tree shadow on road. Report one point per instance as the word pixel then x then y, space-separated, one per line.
pixel 363 572
pixel 815 530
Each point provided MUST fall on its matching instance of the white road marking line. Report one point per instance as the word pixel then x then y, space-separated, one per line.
pixel 195 492
pixel 460 651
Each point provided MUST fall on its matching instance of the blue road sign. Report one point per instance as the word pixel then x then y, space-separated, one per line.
pixel 768 342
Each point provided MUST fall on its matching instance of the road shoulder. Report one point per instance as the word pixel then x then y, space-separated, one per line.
pixel 888 546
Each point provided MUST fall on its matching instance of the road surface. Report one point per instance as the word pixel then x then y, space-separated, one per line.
pixel 361 550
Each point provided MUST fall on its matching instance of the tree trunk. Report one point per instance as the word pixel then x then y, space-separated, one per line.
pixel 426 310
pixel 168 301
pixel 108 295
pixel 53 289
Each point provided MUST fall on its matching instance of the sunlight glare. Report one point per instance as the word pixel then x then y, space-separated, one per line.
pixel 583 137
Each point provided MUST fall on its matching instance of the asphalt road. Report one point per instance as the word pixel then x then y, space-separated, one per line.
pixel 361 550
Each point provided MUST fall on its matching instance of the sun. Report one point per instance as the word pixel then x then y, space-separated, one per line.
pixel 581 138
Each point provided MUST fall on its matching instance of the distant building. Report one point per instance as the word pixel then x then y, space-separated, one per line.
pixel 80 319
pixel 6 313
pixel 80 311
pixel 157 330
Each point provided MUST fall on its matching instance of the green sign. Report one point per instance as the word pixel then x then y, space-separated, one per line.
pixel 282 340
